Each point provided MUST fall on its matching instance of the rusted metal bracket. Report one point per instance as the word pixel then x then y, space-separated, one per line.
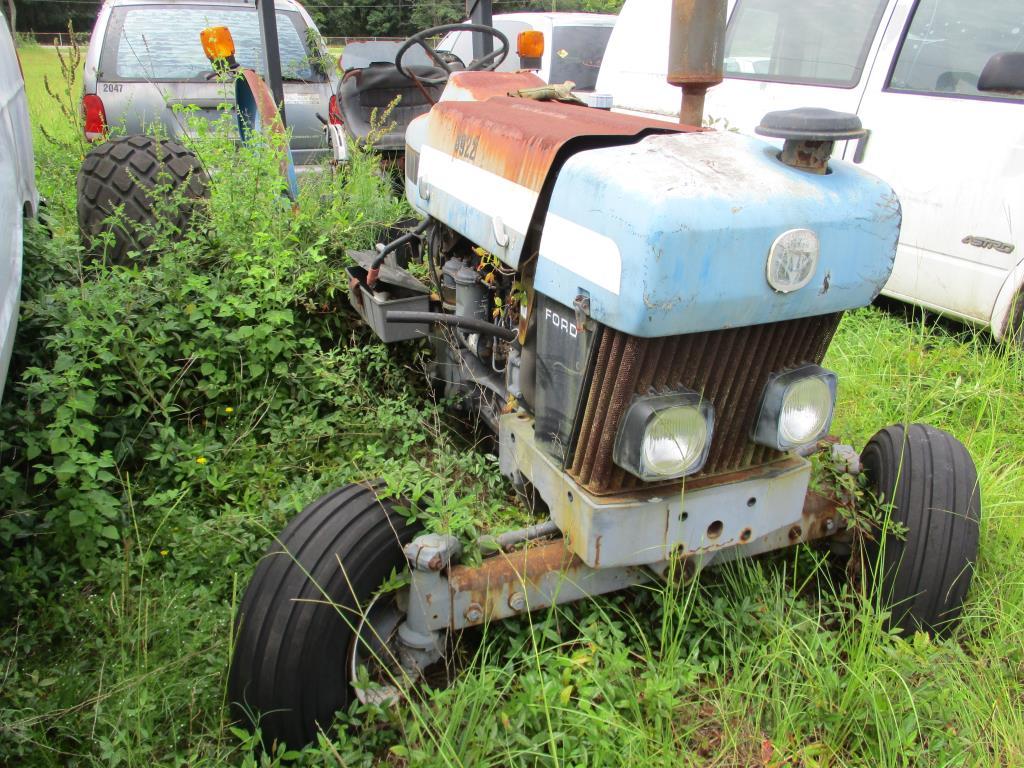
pixel 446 597
pixel 504 585
pixel 529 579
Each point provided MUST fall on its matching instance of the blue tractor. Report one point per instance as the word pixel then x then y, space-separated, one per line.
pixel 639 311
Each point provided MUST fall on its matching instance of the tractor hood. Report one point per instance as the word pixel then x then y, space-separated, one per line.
pixel 672 234
pixel 481 161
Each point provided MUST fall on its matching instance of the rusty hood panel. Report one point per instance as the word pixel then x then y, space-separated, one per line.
pixel 519 138
pixel 477 86
pixel 486 166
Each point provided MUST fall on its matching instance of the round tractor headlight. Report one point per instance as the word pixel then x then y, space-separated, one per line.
pixel 664 436
pixel 796 408
pixel 792 260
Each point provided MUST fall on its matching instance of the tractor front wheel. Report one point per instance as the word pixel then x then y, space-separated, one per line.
pixel 928 487
pixel 311 615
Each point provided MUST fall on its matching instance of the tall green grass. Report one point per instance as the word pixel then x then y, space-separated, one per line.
pixel 775 662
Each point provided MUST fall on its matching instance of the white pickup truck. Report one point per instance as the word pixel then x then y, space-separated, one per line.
pixel 910 70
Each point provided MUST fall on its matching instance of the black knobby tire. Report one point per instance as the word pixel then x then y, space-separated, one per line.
pixel 930 479
pixel 290 665
pixel 124 172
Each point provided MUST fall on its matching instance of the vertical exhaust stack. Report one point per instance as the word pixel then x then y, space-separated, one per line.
pixel 695 53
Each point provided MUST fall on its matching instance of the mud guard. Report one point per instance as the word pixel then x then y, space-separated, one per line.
pixel 257 113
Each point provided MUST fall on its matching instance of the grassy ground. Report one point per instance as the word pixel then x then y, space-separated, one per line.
pixel 119 657
pixel 41 65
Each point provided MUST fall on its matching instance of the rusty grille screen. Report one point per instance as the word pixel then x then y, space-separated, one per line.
pixel 730 367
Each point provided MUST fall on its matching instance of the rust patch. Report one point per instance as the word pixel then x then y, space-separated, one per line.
pixel 523 565
pixel 819 512
pixel 520 139
pixel 484 85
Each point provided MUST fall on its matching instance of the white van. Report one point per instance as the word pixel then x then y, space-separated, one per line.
pixel 18 197
pixel 574 44
pixel 909 69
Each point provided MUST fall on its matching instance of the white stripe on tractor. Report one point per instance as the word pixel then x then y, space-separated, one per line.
pixel 582 251
pixel 491 194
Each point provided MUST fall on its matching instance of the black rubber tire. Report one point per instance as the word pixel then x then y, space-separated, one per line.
pixel 124 171
pixel 930 478
pixel 289 668
pixel 1015 324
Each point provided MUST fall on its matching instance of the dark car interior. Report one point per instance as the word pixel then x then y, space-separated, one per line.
pixel 371 81
pixel 375 73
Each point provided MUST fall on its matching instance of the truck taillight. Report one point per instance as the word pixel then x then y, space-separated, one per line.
pixel 334 112
pixel 95 117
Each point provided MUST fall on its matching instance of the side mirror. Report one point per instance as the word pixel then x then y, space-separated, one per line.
pixel 1003 73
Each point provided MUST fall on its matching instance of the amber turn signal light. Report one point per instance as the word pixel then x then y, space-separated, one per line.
pixel 530 44
pixel 217 43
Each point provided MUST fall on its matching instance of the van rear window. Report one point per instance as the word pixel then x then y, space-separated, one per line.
pixel 817 42
pixel 161 42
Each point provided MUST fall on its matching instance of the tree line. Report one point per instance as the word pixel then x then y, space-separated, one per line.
pixel 342 18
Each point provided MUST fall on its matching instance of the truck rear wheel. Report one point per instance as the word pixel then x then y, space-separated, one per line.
pixel 298 628
pixel 129 172
pixel 930 481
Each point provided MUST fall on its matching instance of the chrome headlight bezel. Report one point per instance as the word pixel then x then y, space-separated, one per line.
pixel 644 412
pixel 767 430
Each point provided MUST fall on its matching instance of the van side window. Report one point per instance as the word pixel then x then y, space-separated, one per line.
pixel 947 43
pixel 818 42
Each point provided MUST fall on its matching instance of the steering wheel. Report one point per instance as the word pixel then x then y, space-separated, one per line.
pixel 488 61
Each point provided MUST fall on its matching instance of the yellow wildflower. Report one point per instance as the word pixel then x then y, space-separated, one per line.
pixel 201 460
pixel 229 409
pixel 164 552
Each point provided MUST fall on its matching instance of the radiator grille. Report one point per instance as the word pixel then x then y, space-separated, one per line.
pixel 730 367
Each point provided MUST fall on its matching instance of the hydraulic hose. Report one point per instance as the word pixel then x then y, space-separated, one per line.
pixel 374 271
pixel 465 323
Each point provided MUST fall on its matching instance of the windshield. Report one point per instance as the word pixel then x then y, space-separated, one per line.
pixel 161 42
pixel 576 54
pixel 819 42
